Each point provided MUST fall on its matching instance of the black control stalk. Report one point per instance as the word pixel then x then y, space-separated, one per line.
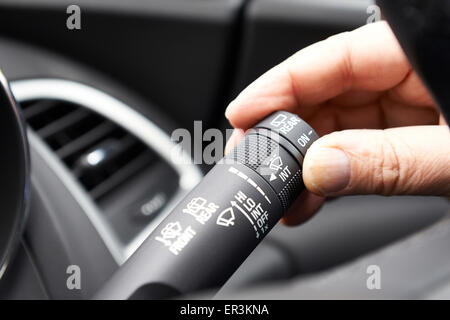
pixel 210 233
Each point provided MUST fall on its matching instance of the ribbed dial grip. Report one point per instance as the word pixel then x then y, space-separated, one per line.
pixel 271 161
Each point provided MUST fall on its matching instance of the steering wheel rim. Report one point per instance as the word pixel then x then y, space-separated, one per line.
pixel 14 174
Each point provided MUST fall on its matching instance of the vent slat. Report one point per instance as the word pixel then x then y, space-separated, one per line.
pixel 37 108
pixel 99 153
pixel 109 156
pixel 122 175
pixel 86 140
pixel 62 123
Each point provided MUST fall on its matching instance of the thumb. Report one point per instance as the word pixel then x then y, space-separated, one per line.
pixel 409 160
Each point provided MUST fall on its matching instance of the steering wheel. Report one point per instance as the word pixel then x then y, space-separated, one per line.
pixel 14 174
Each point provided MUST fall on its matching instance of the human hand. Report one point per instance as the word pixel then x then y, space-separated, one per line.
pixel 356 89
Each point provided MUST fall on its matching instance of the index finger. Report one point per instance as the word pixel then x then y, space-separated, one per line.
pixel 368 58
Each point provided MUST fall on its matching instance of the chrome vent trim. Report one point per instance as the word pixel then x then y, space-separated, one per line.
pixel 127 118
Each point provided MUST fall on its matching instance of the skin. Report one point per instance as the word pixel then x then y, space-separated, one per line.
pixel 378 123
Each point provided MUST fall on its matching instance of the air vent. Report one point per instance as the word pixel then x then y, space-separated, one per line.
pixel 115 162
pixel 115 168
pixel 99 153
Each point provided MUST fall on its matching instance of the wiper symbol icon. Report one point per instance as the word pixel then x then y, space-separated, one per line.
pixel 226 218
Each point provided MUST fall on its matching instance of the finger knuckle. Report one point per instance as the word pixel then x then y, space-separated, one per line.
pixel 343 41
pixel 395 168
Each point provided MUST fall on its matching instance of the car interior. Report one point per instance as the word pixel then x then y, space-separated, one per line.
pixel 100 104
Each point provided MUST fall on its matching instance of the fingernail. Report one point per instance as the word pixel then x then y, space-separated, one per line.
pixel 326 170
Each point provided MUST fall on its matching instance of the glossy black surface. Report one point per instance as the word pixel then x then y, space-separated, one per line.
pixel 14 174
pixel 423 29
